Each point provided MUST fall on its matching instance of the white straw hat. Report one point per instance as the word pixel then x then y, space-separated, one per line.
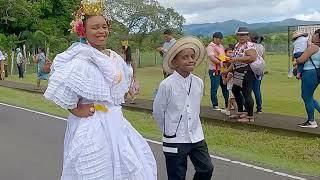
pixel 181 44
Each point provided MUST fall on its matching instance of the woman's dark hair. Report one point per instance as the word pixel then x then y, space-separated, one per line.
pixel 42 50
pixel 168 32
pixel 317 32
pixel 228 49
pixel 127 53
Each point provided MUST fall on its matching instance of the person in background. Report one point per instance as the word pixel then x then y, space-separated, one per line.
pixel 5 62
pixel 256 88
pixel 317 41
pixel 2 58
pixel 130 71
pixel 310 80
pixel 19 60
pixel 215 51
pixel 243 76
pixel 300 44
pixel 40 59
pixel 228 80
pixel 169 42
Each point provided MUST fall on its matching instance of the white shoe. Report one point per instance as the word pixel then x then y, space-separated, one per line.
pixel 216 108
pixel 309 124
pixel 226 112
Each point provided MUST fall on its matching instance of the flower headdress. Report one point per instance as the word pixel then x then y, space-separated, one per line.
pixel 88 8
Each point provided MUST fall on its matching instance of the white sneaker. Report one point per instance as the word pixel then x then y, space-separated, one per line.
pixel 216 108
pixel 309 124
pixel 226 112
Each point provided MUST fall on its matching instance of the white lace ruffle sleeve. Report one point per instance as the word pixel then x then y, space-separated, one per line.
pixel 84 72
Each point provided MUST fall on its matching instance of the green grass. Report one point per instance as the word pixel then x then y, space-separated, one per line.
pixel 148 59
pixel 281 95
pixel 291 151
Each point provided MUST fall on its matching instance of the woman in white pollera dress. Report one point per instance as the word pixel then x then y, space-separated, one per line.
pixel 89 81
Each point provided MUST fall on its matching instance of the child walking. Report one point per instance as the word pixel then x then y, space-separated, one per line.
pixel 176 109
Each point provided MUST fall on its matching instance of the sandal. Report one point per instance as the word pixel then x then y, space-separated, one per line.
pixel 246 119
pixel 235 116
pixel 243 115
pixel 133 101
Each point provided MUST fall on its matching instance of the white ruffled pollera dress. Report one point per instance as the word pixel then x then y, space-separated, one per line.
pixel 104 146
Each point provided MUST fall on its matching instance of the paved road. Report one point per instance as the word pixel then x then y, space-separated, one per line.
pixel 31 149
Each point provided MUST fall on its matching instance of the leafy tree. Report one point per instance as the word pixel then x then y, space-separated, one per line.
pixel 144 16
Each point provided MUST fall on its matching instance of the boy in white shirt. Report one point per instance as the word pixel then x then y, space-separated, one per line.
pixel 176 109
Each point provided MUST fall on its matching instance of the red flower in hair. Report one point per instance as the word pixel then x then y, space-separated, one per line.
pixel 78 27
pixel 81 31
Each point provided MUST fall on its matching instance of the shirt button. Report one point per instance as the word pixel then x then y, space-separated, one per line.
pixel 189 118
pixel 188 105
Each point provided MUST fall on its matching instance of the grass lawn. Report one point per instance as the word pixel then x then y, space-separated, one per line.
pixel 281 95
pixel 285 150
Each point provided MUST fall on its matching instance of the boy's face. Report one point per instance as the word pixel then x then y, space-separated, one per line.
pixel 167 37
pixel 184 61
pixel 229 53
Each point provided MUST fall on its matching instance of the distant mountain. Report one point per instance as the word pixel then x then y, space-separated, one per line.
pixel 229 27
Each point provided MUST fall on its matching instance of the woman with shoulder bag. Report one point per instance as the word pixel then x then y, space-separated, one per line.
pixel 256 88
pixel 244 54
pixel 42 67
pixel 310 80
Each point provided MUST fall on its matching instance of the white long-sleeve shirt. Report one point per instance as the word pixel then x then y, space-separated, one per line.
pixel 300 44
pixel 172 101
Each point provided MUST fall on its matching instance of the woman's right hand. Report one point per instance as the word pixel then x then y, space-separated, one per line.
pixel 83 110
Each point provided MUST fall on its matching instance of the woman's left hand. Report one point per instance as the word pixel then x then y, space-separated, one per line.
pixel 83 110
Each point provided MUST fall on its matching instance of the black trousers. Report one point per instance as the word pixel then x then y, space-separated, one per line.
pixel 176 162
pixel 20 70
pixel 6 70
pixel 243 95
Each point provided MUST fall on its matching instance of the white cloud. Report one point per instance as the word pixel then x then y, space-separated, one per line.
pixel 286 6
pixel 314 16
pixel 207 11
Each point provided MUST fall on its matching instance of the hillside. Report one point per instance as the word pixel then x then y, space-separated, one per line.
pixel 229 27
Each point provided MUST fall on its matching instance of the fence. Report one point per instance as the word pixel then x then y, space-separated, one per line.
pixel 29 66
pixel 147 58
pixel 152 58
pixel 276 48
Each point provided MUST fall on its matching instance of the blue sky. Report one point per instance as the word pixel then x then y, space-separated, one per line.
pixel 251 11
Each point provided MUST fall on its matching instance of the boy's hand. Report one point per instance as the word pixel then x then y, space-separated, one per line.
pixel 83 110
pixel 160 49
pixel 294 63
